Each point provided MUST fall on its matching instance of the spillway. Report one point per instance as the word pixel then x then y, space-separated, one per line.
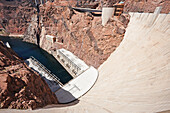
pixel 135 78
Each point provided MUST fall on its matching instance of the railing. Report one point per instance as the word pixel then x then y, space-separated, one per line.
pixel 54 77
pixel 118 9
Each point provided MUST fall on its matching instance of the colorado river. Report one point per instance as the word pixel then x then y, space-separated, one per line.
pixel 25 50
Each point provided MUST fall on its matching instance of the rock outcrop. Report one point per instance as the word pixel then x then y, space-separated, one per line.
pixel 81 33
pixel 146 5
pixel 15 15
pixel 20 87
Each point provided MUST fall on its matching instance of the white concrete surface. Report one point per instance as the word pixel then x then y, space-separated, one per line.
pixel 51 38
pixel 78 86
pixel 81 64
pixel 73 61
pixel 135 78
pixel 156 13
pixel 107 12
pixel 7 45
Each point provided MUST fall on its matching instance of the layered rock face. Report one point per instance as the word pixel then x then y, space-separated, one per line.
pixel 146 5
pixel 81 33
pixel 15 15
pixel 20 87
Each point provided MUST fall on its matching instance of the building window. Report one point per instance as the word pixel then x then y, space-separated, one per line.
pixel 62 60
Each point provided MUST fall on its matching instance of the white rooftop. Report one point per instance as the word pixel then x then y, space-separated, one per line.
pixel 81 64
pixel 49 36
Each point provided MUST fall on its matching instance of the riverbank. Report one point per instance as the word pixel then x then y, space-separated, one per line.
pixel 13 35
pixel 16 35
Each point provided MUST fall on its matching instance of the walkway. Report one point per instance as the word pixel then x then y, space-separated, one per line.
pixel 86 9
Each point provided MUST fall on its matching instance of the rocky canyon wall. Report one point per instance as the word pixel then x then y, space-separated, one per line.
pixel 15 15
pixel 81 33
pixel 20 87
pixel 147 6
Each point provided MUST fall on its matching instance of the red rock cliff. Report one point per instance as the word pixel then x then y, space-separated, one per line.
pixel 20 87
pixel 15 16
pixel 81 33
pixel 146 5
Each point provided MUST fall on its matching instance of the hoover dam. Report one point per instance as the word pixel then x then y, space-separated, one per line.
pixel 136 76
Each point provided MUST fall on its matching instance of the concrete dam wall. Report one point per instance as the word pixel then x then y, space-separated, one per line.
pixel 135 78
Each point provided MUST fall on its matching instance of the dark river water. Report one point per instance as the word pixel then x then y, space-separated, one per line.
pixel 25 50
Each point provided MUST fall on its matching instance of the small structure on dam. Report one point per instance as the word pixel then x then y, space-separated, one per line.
pixel 51 39
pixel 72 63
pixel 108 12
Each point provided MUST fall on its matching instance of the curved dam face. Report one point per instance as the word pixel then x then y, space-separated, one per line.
pixel 136 77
